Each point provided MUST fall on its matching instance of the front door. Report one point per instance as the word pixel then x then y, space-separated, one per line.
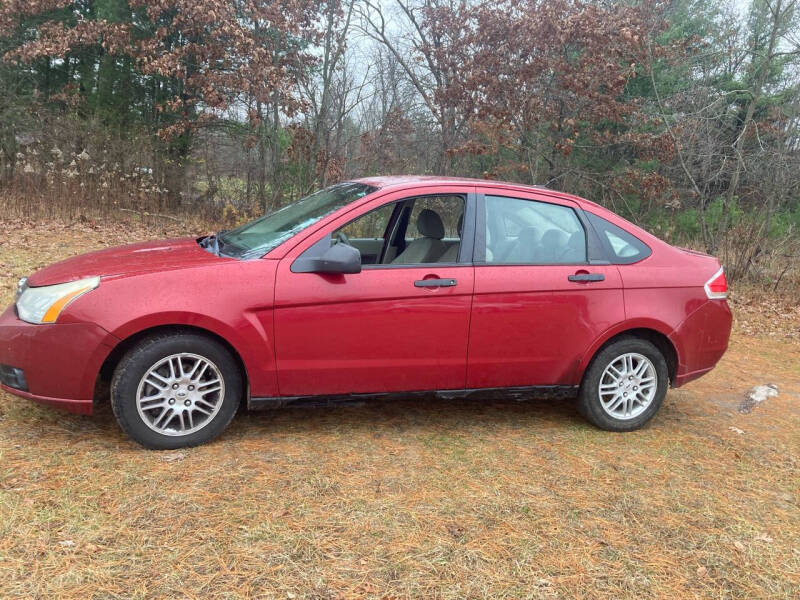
pixel 539 302
pixel 402 323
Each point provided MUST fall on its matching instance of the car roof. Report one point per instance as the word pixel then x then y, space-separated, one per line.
pixel 390 181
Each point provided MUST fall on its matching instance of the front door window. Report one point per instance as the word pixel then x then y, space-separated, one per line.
pixel 414 231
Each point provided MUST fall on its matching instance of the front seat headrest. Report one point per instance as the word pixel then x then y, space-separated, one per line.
pixel 430 225
pixel 460 225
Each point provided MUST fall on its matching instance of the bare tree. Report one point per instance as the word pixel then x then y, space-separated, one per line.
pixel 426 40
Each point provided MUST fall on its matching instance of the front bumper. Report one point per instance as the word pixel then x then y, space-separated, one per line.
pixel 60 362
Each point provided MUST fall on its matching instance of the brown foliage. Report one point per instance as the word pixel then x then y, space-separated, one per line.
pixel 536 74
pixel 216 49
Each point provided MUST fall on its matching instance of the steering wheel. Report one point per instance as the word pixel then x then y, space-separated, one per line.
pixel 342 238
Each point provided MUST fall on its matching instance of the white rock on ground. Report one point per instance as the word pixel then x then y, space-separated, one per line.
pixel 761 392
pixel 757 395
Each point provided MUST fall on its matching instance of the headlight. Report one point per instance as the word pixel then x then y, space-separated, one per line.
pixel 22 285
pixel 44 304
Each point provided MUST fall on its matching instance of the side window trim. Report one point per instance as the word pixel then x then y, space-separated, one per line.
pixel 596 250
pixel 479 246
pixel 391 228
pixel 466 249
pixel 594 253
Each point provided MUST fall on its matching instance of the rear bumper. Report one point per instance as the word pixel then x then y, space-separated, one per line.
pixel 60 362
pixel 684 378
pixel 701 340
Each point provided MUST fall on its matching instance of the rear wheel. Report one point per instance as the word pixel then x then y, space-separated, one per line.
pixel 624 385
pixel 176 390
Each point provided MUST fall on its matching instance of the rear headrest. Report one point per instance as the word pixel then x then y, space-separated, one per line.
pixel 430 225
pixel 529 236
pixel 576 248
pixel 553 238
pixel 576 240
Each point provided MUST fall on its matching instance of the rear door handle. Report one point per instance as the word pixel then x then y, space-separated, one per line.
pixel 587 277
pixel 429 283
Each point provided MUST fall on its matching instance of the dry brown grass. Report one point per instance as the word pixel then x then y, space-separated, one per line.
pixel 407 499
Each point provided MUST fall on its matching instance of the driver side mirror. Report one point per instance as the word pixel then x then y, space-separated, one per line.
pixel 323 257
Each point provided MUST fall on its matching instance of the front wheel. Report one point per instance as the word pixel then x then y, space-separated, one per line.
pixel 176 390
pixel 624 385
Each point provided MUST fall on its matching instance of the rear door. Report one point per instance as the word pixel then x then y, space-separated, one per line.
pixel 395 326
pixel 539 301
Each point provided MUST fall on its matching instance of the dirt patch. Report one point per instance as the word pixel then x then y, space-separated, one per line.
pixel 401 499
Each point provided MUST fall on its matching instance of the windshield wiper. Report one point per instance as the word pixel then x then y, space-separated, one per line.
pixel 220 243
pixel 211 243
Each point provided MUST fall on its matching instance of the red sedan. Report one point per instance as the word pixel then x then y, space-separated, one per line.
pixel 375 287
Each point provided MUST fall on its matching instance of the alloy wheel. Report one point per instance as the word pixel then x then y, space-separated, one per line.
pixel 628 386
pixel 180 394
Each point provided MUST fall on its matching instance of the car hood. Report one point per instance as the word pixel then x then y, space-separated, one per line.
pixel 145 257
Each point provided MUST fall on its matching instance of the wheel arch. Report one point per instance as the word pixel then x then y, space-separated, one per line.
pixel 104 375
pixel 654 332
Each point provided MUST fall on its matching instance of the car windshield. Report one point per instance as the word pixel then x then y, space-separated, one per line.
pixel 258 237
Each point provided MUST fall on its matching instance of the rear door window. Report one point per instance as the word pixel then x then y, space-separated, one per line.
pixel 522 231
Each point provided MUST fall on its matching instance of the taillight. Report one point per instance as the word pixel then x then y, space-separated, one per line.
pixel 717 286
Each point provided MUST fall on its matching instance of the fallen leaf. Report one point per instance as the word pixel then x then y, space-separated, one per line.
pixel 702 571
pixel 173 457
pixel 738 545
pixel 455 530
pixel 736 430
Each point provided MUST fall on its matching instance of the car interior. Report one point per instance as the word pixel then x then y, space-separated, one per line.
pixel 428 229
pixel 414 231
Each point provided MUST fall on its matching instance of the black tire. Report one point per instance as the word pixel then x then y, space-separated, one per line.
pixel 139 360
pixel 589 403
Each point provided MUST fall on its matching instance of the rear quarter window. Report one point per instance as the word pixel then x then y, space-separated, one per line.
pixel 623 248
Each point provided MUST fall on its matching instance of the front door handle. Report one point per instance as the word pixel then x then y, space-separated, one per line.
pixel 587 277
pixel 429 283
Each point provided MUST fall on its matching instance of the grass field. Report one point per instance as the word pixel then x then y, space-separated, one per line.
pixel 406 499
